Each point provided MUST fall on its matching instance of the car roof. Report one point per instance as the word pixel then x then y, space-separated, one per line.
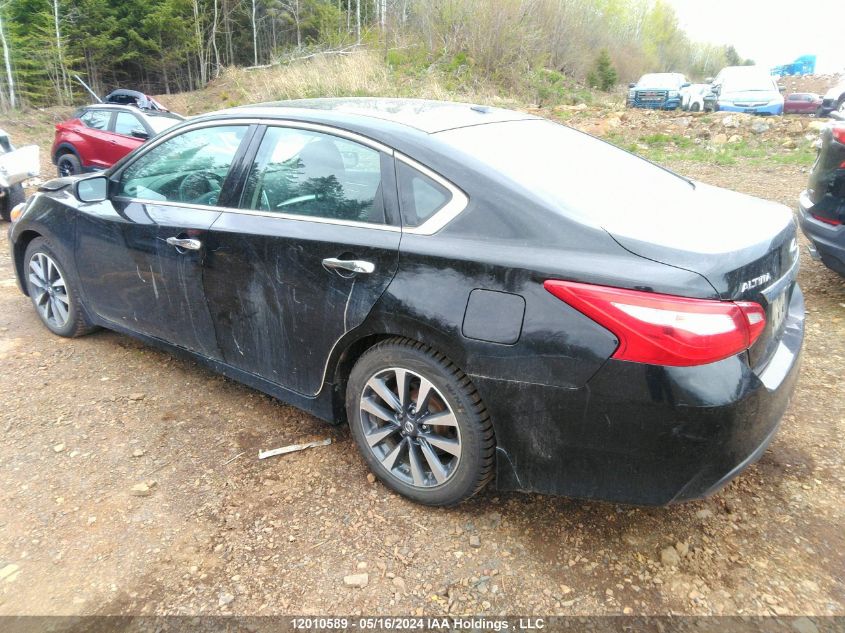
pixel 131 108
pixel 421 115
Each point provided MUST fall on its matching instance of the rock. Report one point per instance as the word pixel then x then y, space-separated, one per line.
pixel 789 144
pixel 735 138
pixel 362 565
pixel 356 580
pixel 399 583
pixel 143 489
pixel 613 122
pixel 669 557
pixel 627 610
pixel 58 448
pixel 720 139
pixel 138 452
pixel 683 121
pixel 682 549
pixel 371 478
pixel 225 599
pixel 759 127
pixel 805 625
pixel 817 126
pixel 474 541
pixel 730 121
pixel 795 128
pixel 137 396
pixel 9 572
pixel 704 513
pixel 565 589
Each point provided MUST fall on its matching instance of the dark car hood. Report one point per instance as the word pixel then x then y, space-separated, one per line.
pixel 59 183
pixel 727 237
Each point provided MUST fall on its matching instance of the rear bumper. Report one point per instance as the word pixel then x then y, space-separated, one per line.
pixel 828 241
pixel 644 434
pixel 767 109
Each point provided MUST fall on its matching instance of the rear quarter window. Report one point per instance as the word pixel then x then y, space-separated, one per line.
pixel 420 197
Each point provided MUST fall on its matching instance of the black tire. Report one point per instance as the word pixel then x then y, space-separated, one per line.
pixel 68 165
pixel 76 323
pixel 695 107
pixel 474 468
pixel 14 195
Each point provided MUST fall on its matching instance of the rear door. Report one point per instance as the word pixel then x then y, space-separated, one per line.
pixel 98 146
pixel 308 253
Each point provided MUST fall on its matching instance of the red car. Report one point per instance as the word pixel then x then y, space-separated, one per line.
pixel 100 135
pixel 802 103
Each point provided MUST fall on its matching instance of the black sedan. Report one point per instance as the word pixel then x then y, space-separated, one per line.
pixel 822 205
pixel 479 293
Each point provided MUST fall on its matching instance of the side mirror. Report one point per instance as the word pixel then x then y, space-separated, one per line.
pixel 782 89
pixel 686 85
pixel 708 80
pixel 95 189
pixel 632 85
pixel 716 89
pixel 140 132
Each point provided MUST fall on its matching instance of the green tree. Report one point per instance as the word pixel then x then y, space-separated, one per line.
pixel 603 75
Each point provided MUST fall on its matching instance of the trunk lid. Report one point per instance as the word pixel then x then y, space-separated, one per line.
pixel 745 247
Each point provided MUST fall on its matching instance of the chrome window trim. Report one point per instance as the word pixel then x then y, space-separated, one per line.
pixel 447 212
pixel 265 214
pixel 435 223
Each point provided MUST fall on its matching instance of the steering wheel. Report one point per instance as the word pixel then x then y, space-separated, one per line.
pixel 201 187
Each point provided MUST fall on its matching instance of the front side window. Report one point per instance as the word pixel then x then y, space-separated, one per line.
pixel 125 122
pixel 307 173
pixel 188 168
pixel 96 119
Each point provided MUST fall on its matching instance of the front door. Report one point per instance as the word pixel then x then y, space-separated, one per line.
pixel 97 146
pixel 313 248
pixel 141 253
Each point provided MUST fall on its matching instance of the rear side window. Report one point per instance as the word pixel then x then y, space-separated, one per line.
pixel 96 119
pixel 300 172
pixel 420 197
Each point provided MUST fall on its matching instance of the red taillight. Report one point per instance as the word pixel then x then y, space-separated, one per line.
pixel 663 329
pixel 839 133
pixel 832 221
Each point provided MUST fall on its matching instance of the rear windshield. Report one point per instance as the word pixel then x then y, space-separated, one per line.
pixel 581 176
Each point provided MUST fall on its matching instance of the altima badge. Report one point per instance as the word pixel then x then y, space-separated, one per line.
pixel 754 283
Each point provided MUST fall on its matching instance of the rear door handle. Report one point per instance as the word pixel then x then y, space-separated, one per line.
pixel 186 243
pixel 352 265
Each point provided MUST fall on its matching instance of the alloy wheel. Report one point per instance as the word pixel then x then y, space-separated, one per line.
pixel 65 168
pixel 410 427
pixel 50 291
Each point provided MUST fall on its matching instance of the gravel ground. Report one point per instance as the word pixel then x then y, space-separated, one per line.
pixel 130 484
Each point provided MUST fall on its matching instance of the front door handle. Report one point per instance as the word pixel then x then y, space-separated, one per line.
pixel 186 243
pixel 352 265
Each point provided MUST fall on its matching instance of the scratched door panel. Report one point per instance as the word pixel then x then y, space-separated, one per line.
pixel 276 309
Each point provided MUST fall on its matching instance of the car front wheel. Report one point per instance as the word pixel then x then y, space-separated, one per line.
pixel 55 299
pixel 419 423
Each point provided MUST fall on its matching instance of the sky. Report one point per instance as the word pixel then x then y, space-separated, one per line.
pixel 771 32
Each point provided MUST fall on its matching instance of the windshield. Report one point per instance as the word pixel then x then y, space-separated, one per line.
pixel 575 173
pixel 161 123
pixel 659 80
pixel 748 83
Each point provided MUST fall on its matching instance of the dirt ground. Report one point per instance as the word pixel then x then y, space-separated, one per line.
pixel 218 531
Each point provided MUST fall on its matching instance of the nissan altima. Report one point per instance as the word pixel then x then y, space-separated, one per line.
pixel 479 293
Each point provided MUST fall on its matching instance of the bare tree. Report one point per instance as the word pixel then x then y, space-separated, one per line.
pixel 10 80
pixel 294 9
pixel 64 86
pixel 214 40
pixel 358 19
pixel 254 34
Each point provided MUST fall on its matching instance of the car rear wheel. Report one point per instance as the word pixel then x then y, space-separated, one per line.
pixel 695 107
pixel 55 299
pixel 68 165
pixel 14 195
pixel 419 423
